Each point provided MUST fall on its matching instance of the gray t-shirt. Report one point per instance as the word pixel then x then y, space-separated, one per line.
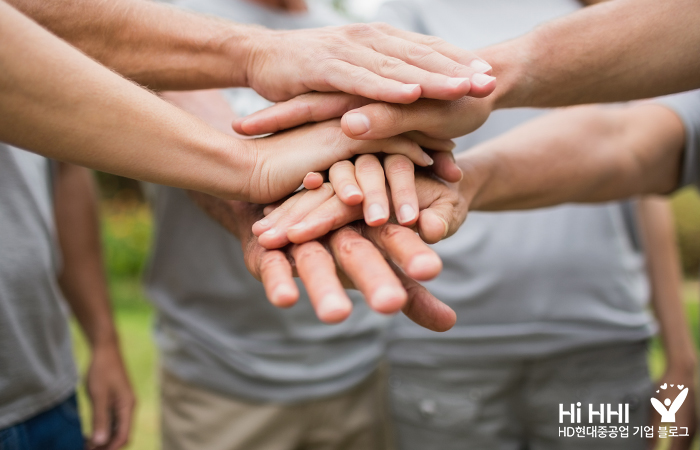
pixel 523 283
pixel 215 326
pixel 36 359
pixel 687 106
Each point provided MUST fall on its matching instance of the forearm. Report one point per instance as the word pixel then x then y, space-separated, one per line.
pixel 618 50
pixel 59 103
pixel 585 154
pixel 656 223
pixel 82 278
pixel 184 50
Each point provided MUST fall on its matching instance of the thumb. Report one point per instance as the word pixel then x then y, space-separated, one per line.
pixel 306 108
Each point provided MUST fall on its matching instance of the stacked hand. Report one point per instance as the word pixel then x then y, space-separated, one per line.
pixel 318 235
pixel 382 262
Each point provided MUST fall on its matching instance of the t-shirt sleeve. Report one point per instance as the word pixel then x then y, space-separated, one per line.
pixel 687 106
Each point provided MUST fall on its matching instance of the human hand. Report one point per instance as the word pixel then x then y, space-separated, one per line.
pixel 278 171
pixel 680 374
pixel 352 257
pixel 366 119
pixel 371 60
pixel 311 214
pixel 111 397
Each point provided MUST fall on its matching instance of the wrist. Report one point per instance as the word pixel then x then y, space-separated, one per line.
pixel 236 46
pixel 103 337
pixel 510 62
pixel 226 172
pixel 477 168
pixel 244 46
pixel 682 365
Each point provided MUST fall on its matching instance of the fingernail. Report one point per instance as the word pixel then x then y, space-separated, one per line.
pixel 388 300
pixel 351 191
pixel 447 227
pixel 375 212
pixel 454 82
pixel 282 295
pixel 480 66
pixel 481 79
pixel 428 160
pixel 331 307
pixel 358 123
pixel 420 262
pixel 298 226
pixel 271 232
pixel 406 213
pixel 409 88
pixel 461 174
pixel 99 438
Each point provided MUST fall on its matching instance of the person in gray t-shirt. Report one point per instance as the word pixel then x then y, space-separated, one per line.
pixel 238 372
pixel 49 247
pixel 551 304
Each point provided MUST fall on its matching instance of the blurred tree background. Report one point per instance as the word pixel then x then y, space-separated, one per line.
pixel 127 228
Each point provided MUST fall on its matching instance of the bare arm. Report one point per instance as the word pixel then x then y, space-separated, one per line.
pixel 85 288
pixel 656 223
pixel 167 48
pixel 59 103
pixel 583 154
pixel 613 51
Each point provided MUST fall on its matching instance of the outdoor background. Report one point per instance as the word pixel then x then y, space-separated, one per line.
pixel 126 227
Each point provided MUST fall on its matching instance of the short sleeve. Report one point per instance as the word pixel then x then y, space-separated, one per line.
pixel 687 106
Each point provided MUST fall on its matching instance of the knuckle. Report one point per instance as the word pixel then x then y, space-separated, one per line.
pixel 381 26
pixel 343 166
pixel 432 41
pixel 326 190
pixel 417 52
pixel 348 246
pixel 389 64
pixel 304 252
pixel 359 29
pixel 270 261
pixel 398 165
pixel 389 232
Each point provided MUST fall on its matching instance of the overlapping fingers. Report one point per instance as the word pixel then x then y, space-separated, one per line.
pixel 275 272
pixel 402 246
pixel 317 270
pixel 306 108
pixel 272 230
pixel 482 83
pixel 366 267
pixel 370 177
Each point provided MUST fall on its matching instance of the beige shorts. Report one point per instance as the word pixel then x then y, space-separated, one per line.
pixel 194 418
pixel 513 404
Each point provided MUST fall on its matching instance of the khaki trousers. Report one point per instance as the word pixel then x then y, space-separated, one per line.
pixel 194 418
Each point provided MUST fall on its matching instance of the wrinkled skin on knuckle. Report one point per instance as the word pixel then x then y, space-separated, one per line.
pixel 382 26
pixel 388 233
pixel 360 30
pixel 388 64
pixel 348 246
pixel 305 252
pixel 417 52
pixel 397 165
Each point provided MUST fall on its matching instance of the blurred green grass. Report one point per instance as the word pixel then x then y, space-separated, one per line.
pixel 127 227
